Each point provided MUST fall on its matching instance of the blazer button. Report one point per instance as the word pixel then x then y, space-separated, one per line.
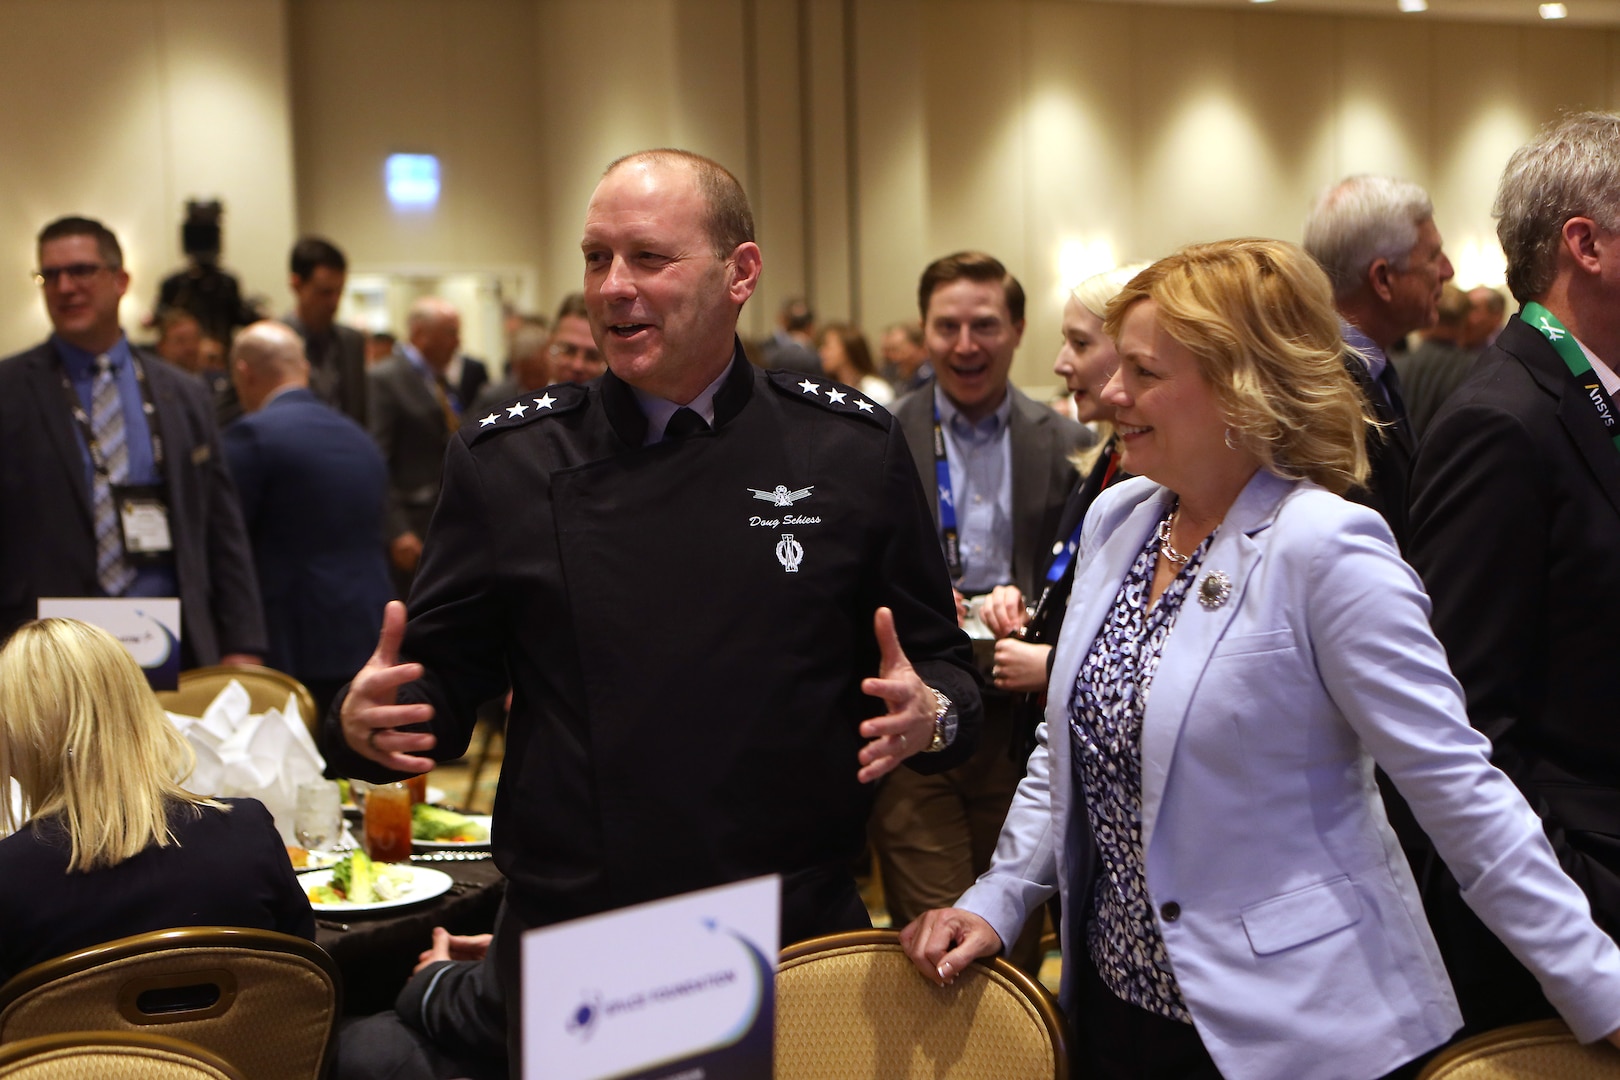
pixel 1170 912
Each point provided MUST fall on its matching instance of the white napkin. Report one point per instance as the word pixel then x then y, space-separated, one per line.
pixel 264 756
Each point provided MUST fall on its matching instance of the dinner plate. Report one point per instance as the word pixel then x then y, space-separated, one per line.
pixel 449 845
pixel 426 883
pixel 319 860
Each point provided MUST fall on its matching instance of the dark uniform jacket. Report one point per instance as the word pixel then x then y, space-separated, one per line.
pixel 685 626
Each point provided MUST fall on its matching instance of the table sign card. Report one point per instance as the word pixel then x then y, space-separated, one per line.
pixel 149 627
pixel 676 989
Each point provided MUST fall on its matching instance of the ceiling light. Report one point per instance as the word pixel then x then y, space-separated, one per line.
pixel 1260 1
pixel 1410 6
pixel 1554 11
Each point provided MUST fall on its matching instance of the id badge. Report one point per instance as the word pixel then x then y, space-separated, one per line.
pixel 143 516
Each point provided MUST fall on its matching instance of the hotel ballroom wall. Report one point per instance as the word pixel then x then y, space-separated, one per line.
pixel 872 135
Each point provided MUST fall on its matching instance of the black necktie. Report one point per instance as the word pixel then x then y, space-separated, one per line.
pixel 685 422
pixel 1391 386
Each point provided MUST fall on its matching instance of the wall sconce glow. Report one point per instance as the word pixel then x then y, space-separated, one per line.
pixel 1478 261
pixel 1080 259
pixel 413 180
pixel 1410 6
pixel 1553 11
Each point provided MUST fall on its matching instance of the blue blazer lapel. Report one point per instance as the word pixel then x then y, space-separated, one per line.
pixel 1234 552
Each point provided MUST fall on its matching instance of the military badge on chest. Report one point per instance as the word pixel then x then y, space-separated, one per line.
pixel 789 549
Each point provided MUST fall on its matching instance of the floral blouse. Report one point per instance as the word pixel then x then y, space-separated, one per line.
pixel 1105 726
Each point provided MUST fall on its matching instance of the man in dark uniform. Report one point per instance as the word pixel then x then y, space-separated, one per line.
pixel 685 568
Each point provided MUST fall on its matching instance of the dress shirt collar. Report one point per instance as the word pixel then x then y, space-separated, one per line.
pixel 1373 356
pixel 980 432
pixel 658 410
pixel 1605 374
pixel 81 364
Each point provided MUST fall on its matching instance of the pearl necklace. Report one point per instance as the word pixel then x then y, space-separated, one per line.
pixel 1165 547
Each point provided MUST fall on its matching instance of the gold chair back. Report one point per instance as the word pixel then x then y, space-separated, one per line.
pixel 265 1002
pixel 853 1005
pixel 266 687
pixel 1543 1050
pixel 96 1055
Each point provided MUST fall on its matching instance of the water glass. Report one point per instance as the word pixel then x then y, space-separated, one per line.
pixel 318 815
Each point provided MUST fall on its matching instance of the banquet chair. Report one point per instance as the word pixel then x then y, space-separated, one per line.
pixel 267 689
pixel 93 1055
pixel 265 1002
pixel 852 1005
pixel 1542 1050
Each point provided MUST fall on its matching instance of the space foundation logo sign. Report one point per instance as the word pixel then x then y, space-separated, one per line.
pixel 681 988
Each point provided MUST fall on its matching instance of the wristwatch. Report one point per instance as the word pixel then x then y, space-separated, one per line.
pixel 944 723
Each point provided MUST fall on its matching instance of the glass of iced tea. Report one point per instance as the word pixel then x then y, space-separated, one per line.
pixel 418 787
pixel 388 823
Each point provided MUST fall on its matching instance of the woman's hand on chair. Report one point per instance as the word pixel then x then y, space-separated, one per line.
pixel 943 941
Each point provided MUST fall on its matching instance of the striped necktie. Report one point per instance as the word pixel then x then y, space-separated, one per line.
pixel 107 429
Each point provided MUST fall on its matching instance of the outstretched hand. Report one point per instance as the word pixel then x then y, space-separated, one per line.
pixel 943 941
pixel 370 716
pixel 908 726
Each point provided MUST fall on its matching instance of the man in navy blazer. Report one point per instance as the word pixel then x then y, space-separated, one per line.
pixel 48 543
pixel 1516 529
pixel 313 486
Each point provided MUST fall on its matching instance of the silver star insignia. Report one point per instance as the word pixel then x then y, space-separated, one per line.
pixel 517 410
pixel 488 420
pixel 864 406
pixel 836 396
pixel 809 387
pixel 545 402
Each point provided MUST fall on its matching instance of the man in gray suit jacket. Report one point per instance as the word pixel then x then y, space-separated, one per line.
pixel 413 413
pixel 996 468
pixel 337 353
pixel 71 466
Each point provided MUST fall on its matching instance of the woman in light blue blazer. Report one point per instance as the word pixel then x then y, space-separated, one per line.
pixel 1241 645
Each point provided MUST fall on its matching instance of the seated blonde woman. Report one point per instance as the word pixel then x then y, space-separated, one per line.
pixel 108 843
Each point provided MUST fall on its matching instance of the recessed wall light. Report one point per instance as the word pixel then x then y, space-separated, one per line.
pixel 1260 1
pixel 1410 6
pixel 1554 11
pixel 413 180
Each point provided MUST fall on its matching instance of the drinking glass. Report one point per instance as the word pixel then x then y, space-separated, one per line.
pixel 318 815
pixel 388 823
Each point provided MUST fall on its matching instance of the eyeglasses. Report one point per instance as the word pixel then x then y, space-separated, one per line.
pixel 568 350
pixel 79 273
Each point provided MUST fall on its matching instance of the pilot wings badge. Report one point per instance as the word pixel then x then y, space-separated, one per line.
pixel 782 496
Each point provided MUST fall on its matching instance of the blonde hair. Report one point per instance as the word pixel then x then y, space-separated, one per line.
pixel 1259 316
pixel 1093 294
pixel 88 743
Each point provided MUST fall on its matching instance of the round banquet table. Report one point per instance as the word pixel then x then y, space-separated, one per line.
pixel 378 950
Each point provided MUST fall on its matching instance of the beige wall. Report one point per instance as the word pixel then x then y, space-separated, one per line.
pixel 121 110
pixel 1059 134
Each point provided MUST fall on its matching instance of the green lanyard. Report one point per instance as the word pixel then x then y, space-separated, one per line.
pixel 1574 357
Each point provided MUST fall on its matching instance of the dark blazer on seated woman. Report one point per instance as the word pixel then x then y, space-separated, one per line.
pixel 225 869
pixel 1289 916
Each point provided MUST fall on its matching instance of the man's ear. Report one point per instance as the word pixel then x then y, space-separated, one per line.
pixel 1378 274
pixel 746 264
pixel 1586 245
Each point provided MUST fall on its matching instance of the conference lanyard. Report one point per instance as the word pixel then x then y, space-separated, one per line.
pixel 98 460
pixel 1574 357
pixel 947 502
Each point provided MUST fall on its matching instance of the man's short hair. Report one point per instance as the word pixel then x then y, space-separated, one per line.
pixel 912 329
pixel 573 305
pixel 312 252
pixel 1361 219
pixel 1571 169
pixel 1454 306
pixel 528 341
pixel 106 242
pixel 796 315
pixel 970 266
pixel 174 317
pixel 731 222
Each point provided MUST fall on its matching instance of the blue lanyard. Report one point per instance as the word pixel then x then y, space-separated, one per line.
pixel 947 502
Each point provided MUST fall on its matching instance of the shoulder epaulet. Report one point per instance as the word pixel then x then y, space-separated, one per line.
pixel 832 396
pixel 552 401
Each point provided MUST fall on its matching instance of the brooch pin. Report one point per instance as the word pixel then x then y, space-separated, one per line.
pixel 1214 590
